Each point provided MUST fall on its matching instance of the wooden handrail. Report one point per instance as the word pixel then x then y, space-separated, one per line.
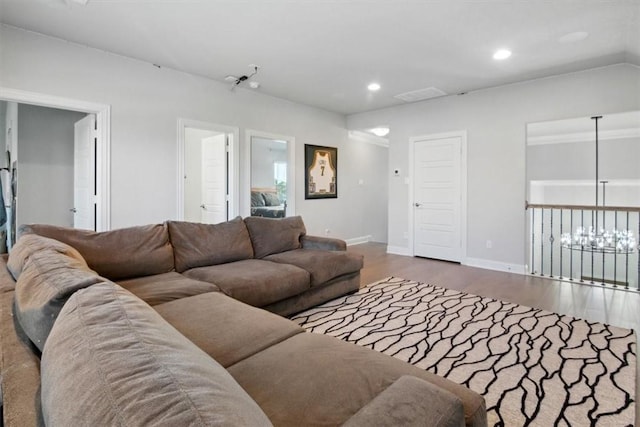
pixel 528 205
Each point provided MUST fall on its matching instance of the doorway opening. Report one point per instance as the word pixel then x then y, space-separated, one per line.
pixel 270 168
pixel 55 169
pixel 207 172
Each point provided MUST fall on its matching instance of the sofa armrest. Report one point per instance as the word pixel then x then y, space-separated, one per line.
pixel 323 243
pixel 410 401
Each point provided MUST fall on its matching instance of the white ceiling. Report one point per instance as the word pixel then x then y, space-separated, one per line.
pixel 324 52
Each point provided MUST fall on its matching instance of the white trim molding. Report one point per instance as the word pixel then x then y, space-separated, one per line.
pixel 358 240
pixel 494 265
pixel 399 250
pixel 606 135
pixel 234 162
pixel 360 136
pixel 103 132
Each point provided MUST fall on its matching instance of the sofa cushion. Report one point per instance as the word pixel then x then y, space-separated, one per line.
pixel 198 245
pixel 226 329
pixel 321 265
pixel 345 378
pixel 47 280
pixel 161 288
pixel 253 281
pixel 111 358
pixel 410 402
pixel 272 236
pixel 117 254
pixel 30 243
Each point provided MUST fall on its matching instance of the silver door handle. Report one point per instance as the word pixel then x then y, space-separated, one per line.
pixel 202 206
pixel 417 205
pixel 74 210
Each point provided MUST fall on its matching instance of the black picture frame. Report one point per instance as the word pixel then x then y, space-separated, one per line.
pixel 321 172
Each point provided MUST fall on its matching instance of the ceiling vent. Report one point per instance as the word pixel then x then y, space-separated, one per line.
pixel 421 94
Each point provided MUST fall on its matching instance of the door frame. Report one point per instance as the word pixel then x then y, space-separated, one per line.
pixel 462 134
pixel 291 169
pixel 234 162
pixel 103 134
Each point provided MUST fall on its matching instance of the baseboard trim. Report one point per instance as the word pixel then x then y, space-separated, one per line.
pixel 494 265
pixel 398 250
pixel 359 240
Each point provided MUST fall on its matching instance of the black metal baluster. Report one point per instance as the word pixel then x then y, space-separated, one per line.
pixel 570 250
pixel 615 252
pixel 551 239
pixel 604 227
pixel 626 263
pixel 592 249
pixel 561 215
pixel 533 240
pixel 581 247
pixel 542 242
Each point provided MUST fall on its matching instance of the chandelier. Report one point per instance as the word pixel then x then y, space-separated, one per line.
pixel 597 239
pixel 620 241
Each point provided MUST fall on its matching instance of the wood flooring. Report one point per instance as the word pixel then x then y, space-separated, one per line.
pixel 594 303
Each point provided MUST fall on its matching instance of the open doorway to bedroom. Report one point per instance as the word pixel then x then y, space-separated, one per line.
pixel 206 172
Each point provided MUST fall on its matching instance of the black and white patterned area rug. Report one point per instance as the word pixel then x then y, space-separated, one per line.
pixel 533 367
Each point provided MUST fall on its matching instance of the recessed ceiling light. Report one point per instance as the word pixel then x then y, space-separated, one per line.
pixel 373 87
pixel 381 131
pixel 501 54
pixel 573 37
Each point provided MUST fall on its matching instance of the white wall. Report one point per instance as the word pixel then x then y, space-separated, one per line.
pixel 496 120
pixel 146 104
pixel 45 165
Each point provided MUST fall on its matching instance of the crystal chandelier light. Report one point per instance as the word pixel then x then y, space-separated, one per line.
pixel 597 239
pixel 620 241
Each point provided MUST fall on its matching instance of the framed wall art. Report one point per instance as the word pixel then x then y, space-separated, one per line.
pixel 321 172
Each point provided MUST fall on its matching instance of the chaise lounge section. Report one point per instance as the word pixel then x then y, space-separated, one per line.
pixel 147 326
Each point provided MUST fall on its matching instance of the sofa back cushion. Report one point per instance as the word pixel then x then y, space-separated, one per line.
pixel 199 245
pixel 31 243
pixel 47 280
pixel 112 360
pixel 272 236
pixel 118 254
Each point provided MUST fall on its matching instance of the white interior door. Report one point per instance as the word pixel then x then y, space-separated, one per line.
pixel 214 207
pixel 437 198
pixel 84 173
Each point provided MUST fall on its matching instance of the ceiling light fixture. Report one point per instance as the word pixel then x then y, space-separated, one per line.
pixel 373 87
pixel 237 80
pixel 380 131
pixel 501 54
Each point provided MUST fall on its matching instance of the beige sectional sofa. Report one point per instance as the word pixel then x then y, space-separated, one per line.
pixel 173 324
